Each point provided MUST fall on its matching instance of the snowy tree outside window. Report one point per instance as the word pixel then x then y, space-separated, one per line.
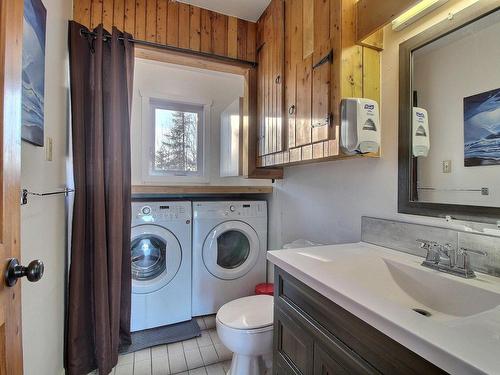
pixel 176 141
pixel 173 141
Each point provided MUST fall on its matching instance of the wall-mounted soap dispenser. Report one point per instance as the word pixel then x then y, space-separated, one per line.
pixel 420 132
pixel 360 126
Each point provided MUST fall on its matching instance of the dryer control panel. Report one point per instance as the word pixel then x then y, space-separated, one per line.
pixel 232 210
pixel 161 211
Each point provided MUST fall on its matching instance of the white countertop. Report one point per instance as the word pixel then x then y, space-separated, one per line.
pixel 468 344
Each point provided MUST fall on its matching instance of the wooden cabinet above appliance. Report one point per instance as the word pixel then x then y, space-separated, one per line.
pixel 308 60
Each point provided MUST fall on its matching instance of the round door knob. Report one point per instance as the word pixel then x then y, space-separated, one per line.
pixel 33 272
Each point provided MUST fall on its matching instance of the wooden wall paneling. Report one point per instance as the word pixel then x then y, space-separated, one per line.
pixel 293 56
pixel 307 153
pixel 373 15
pixel 308 27
pixel 96 13
pixel 206 31
pixel 304 102
pixel 184 26
pixel 107 14
pixel 321 89
pixel 232 37
pixel 267 96
pixel 195 28
pixel 250 132
pixel 335 76
pixel 375 40
pixel 242 39
pixel 129 21
pixel 151 20
pixel 279 39
pixel 119 14
pixel 251 41
pixel 371 74
pixel 295 155
pixel 288 81
pixel 173 24
pixel 81 11
pixel 260 89
pixel 140 19
pixel 352 59
pixel 271 74
pixel 219 34
pixel 318 150
pixel 161 21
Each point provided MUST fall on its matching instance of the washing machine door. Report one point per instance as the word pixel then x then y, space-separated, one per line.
pixel 156 257
pixel 231 250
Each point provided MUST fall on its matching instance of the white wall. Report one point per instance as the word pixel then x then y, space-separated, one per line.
pixel 172 80
pixel 43 220
pixel 445 72
pixel 324 202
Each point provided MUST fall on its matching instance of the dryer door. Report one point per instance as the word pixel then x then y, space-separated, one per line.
pixel 156 257
pixel 231 250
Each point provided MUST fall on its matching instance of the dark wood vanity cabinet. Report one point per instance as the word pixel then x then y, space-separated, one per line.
pixel 315 336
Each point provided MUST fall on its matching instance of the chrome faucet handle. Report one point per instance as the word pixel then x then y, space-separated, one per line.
pixel 431 247
pixel 464 250
pixel 465 260
pixel 425 244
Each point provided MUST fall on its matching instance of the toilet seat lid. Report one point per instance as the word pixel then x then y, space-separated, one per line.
pixel 247 313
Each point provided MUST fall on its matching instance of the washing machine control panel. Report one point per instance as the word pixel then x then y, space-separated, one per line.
pixel 231 210
pixel 161 212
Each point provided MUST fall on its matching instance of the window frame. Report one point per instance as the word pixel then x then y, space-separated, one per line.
pixel 153 101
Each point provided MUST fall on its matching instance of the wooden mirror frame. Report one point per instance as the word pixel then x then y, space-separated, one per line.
pixel 407 175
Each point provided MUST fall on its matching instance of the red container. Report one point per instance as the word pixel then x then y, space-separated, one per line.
pixel 265 288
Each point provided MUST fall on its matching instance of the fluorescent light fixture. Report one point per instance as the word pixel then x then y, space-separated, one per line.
pixel 416 12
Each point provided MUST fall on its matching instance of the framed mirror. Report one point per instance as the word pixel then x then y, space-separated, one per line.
pixel 449 118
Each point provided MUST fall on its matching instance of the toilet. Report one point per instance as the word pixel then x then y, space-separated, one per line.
pixel 245 326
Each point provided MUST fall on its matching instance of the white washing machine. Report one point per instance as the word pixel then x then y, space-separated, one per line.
pixel 229 252
pixel 161 263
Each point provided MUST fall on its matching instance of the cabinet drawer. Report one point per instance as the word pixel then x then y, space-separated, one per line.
pixel 379 350
pixel 326 347
pixel 293 342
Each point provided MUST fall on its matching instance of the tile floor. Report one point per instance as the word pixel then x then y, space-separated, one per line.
pixel 204 355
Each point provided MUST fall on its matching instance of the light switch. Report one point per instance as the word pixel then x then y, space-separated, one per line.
pixel 48 149
pixel 447 166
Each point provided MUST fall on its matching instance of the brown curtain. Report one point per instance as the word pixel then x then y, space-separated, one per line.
pixel 98 320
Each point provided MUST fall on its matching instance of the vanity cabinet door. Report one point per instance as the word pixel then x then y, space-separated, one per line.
pixel 293 343
pixel 324 364
pixel 338 337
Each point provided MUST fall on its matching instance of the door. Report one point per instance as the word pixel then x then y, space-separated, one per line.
pixel 231 250
pixel 11 27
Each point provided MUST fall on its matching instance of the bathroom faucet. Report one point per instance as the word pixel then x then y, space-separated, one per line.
pixel 445 258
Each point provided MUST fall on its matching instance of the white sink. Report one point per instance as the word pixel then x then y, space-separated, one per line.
pixel 452 322
pixel 432 293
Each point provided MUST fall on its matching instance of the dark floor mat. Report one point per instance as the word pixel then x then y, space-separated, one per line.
pixel 162 335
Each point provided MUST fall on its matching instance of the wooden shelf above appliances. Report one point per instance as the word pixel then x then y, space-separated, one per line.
pixel 199 190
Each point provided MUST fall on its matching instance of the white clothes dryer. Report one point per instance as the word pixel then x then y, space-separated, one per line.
pixel 229 252
pixel 161 263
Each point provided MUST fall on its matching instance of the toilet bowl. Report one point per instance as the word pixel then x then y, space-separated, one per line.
pixel 245 326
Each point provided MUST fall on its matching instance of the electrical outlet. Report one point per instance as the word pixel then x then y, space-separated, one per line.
pixel 447 166
pixel 48 149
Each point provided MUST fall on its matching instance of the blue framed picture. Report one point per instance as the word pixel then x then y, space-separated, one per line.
pixel 482 129
pixel 33 70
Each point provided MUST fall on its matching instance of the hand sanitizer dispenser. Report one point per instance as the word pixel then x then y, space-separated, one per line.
pixel 420 132
pixel 360 126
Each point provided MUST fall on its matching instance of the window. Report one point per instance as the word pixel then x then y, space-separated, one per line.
pixel 173 139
